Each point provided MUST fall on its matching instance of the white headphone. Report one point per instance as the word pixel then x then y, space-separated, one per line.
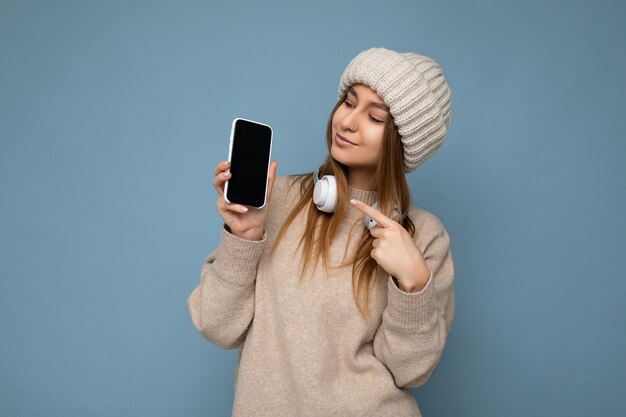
pixel 325 198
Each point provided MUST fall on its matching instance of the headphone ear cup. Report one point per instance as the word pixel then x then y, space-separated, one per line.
pixel 325 194
pixel 396 216
pixel 370 223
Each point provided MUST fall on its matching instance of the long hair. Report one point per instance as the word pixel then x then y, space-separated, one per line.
pixel 392 191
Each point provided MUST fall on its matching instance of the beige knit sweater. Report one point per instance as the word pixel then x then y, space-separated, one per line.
pixel 304 349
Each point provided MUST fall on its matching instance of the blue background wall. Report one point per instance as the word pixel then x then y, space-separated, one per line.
pixel 113 115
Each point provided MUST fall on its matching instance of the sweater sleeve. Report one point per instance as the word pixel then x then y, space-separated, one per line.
pixel 412 334
pixel 222 305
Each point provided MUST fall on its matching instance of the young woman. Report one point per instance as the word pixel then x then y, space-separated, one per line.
pixel 333 318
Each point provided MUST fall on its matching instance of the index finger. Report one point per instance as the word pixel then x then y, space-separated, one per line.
pixel 222 166
pixel 380 218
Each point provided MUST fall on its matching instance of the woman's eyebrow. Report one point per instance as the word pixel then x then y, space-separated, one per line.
pixel 381 106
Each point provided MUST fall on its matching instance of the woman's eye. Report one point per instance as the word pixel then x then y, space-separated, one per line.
pixel 351 106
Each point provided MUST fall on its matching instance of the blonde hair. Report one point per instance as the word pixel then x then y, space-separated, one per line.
pixel 392 190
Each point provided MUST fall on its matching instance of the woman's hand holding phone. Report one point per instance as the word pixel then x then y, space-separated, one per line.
pixel 243 222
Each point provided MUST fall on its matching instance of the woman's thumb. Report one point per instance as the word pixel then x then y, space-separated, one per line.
pixel 272 178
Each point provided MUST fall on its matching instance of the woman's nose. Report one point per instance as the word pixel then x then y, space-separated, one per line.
pixel 348 122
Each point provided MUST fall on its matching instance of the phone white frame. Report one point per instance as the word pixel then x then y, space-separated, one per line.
pixel 230 153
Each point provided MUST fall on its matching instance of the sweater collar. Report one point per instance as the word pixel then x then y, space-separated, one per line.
pixel 366 196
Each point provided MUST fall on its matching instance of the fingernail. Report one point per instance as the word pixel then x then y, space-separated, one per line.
pixel 227 163
pixel 244 209
pixel 353 202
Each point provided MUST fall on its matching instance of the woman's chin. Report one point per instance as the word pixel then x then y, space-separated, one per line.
pixel 336 153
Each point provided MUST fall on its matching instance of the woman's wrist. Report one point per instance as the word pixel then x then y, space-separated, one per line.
pixel 251 234
pixel 413 280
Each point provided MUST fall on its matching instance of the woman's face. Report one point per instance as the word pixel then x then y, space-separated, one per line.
pixel 360 121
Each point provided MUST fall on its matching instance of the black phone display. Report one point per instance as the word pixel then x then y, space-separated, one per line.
pixel 249 154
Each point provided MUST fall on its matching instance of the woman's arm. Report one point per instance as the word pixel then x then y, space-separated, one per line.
pixel 222 305
pixel 412 335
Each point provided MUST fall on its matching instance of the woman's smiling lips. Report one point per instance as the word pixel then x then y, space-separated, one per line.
pixel 341 141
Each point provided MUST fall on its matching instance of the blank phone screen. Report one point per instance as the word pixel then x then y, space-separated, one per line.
pixel 250 154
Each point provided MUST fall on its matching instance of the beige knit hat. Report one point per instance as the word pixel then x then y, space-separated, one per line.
pixel 416 92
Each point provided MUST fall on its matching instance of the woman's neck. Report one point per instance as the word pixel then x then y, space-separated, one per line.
pixel 361 179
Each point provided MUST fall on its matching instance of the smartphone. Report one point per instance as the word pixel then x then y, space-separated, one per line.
pixel 249 153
